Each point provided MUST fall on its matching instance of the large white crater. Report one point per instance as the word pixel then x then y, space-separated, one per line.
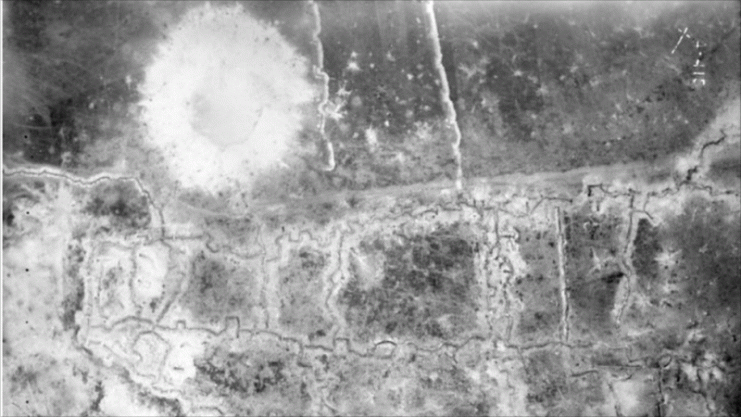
pixel 223 97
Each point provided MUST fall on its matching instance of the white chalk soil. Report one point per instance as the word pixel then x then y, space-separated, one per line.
pixel 223 97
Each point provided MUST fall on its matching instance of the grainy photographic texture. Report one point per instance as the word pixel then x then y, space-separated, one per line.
pixel 344 208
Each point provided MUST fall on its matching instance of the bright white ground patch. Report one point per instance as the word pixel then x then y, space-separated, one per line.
pixel 222 97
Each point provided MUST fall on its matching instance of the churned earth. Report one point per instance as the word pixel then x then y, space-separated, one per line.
pixel 371 208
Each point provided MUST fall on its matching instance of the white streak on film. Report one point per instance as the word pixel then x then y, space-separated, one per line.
pixel 448 108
